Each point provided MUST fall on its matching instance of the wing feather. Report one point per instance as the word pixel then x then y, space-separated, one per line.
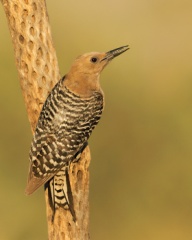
pixel 60 134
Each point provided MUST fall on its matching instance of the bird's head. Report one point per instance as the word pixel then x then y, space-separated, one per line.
pixel 86 69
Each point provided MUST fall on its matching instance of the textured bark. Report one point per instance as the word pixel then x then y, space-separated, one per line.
pixel 38 72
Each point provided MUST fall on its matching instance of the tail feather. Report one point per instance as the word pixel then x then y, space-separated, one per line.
pixel 60 194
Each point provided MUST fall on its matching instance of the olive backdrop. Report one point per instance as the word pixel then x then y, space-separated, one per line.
pixel 141 168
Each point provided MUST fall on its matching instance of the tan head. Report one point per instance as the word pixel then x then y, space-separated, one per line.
pixel 83 77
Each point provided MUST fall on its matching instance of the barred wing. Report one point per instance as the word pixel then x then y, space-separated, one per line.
pixel 65 124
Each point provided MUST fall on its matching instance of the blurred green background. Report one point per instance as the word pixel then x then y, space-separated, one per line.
pixel 141 168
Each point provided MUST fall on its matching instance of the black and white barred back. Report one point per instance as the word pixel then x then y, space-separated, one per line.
pixel 64 126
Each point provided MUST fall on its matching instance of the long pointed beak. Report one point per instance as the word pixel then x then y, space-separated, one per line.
pixel 115 52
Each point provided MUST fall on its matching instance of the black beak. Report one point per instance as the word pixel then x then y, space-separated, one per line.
pixel 115 52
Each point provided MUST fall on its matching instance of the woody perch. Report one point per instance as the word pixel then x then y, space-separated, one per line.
pixel 67 119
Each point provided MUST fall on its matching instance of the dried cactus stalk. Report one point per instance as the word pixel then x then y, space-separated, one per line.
pixel 38 72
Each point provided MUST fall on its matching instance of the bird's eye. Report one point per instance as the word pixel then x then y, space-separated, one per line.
pixel 94 59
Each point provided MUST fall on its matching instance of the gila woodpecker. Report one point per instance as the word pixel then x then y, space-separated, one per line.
pixel 68 117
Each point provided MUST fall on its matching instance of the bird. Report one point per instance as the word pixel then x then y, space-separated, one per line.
pixel 70 113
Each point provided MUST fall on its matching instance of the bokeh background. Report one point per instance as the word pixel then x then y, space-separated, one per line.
pixel 141 168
